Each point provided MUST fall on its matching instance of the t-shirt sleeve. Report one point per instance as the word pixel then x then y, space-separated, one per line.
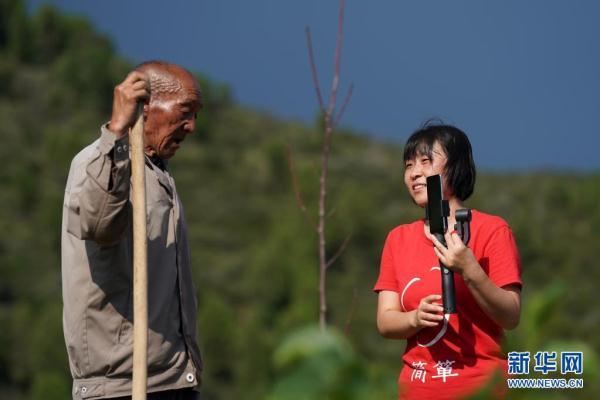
pixel 387 274
pixel 503 258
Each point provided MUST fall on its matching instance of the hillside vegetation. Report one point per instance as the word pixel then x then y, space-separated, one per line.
pixel 254 255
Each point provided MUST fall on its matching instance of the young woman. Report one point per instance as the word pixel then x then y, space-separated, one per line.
pixel 453 355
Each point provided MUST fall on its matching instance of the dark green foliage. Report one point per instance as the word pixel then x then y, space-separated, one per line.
pixel 255 255
pixel 317 364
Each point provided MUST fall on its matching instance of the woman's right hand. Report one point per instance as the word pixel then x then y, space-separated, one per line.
pixel 429 313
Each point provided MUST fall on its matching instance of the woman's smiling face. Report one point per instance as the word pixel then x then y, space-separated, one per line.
pixel 417 169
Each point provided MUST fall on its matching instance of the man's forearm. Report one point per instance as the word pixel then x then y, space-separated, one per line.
pixel 104 195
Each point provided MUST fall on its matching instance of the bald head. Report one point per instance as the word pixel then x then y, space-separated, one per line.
pixel 170 114
pixel 167 79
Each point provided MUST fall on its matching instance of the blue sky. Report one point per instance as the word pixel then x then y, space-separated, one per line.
pixel 522 78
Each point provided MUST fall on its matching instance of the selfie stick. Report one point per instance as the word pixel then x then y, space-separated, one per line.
pixel 437 212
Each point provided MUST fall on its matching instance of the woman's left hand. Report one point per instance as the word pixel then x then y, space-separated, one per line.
pixel 456 256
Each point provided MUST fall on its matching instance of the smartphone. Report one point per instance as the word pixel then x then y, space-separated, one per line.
pixel 438 223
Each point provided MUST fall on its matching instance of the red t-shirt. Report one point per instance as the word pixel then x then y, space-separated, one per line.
pixel 458 356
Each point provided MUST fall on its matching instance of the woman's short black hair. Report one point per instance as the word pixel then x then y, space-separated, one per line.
pixel 460 168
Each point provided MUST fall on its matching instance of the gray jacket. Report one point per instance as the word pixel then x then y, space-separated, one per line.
pixel 97 276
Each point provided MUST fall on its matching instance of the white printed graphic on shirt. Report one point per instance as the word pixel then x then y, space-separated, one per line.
pixel 444 370
pixel 419 373
pixel 444 328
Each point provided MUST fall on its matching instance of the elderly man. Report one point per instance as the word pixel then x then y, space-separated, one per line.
pixel 97 246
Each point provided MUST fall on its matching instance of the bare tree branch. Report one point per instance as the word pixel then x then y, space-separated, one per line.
pixel 329 123
pixel 296 187
pixel 340 114
pixel 313 69
pixel 337 57
pixel 321 223
pixel 340 250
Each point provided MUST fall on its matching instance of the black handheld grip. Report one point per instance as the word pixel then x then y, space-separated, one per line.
pixel 437 212
pixel 463 220
pixel 448 290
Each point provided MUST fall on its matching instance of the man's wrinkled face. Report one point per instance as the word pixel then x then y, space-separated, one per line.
pixel 172 117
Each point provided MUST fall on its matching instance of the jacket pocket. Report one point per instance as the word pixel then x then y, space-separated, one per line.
pixel 119 360
pixel 125 329
pixel 73 221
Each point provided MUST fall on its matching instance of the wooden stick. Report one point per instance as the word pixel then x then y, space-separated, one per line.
pixel 140 260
